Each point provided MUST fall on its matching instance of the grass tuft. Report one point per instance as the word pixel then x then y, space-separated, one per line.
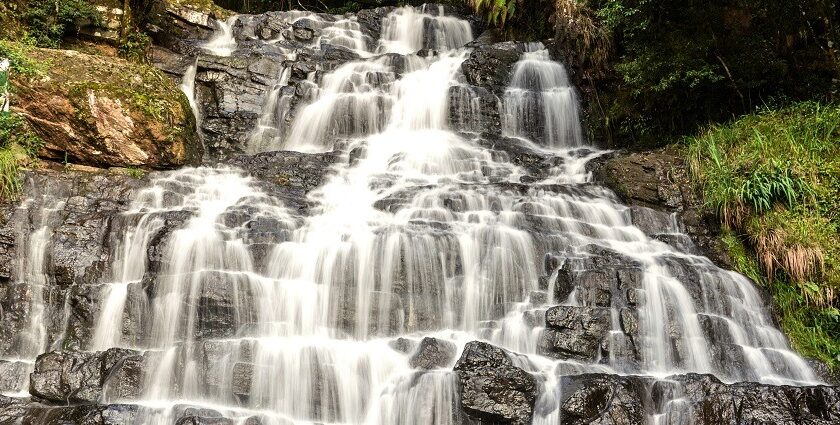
pixel 773 178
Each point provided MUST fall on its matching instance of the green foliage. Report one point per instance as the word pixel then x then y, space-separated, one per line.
pixel 679 65
pixel 350 6
pixel 18 55
pixel 9 175
pixel 47 22
pixel 134 45
pixel 774 179
pixel 135 172
pixel 15 132
pixel 786 156
pixel 496 12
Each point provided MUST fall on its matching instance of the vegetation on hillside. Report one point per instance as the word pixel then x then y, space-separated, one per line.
pixel 656 70
pixel 773 177
pixel 44 23
pixel 17 142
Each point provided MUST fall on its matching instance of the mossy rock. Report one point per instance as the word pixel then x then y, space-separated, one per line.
pixel 106 112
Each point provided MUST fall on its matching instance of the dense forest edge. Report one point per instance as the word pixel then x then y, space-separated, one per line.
pixel 741 93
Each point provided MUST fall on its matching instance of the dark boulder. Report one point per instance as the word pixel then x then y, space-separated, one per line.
pixel 659 180
pixel 493 389
pixel 603 399
pixel 574 332
pixel 433 353
pixel 70 376
pixel 490 66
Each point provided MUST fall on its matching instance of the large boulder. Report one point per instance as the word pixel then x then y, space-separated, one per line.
pixel 106 112
pixel 489 66
pixel 71 376
pixel 693 399
pixel 433 353
pixel 493 389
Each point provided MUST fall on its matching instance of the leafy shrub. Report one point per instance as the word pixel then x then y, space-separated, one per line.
pixel 675 66
pixel 134 45
pixel 17 54
pixel 46 23
pixel 773 177
pixel 15 132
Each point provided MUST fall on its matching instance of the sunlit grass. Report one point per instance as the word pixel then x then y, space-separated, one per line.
pixel 773 178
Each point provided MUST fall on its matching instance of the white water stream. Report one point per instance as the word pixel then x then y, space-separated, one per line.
pixel 425 233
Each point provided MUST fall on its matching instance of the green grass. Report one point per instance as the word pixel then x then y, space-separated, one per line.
pixel 18 55
pixel 773 177
pixel 10 183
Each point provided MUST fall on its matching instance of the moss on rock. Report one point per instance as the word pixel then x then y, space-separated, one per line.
pixel 105 111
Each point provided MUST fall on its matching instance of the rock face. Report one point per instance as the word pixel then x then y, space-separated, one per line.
pixel 575 332
pixel 84 207
pixel 703 400
pixel 107 112
pixel 68 377
pixel 433 353
pixel 659 180
pixel 493 389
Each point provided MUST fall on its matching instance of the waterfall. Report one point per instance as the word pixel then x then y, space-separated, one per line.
pixel 540 104
pixel 245 306
pixel 223 42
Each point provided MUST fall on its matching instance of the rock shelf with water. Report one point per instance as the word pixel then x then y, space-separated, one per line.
pixel 394 224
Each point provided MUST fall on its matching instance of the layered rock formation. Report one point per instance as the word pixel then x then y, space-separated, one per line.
pixel 427 260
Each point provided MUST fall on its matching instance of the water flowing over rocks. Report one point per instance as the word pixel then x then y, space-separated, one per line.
pixel 396 223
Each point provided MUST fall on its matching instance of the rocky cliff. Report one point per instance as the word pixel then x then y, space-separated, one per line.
pixel 422 258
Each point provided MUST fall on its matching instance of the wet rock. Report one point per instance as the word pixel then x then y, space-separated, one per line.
pixel 489 66
pixel 304 30
pixel 492 388
pixel 603 399
pixel 708 401
pixel 433 353
pixel 180 26
pixel 402 345
pixel 62 377
pixel 473 108
pixel 88 414
pixel 288 175
pixel 14 375
pixel 12 409
pixel 692 399
pixel 7 241
pixel 127 377
pixel 107 112
pixel 659 180
pixel 574 332
pixel 514 151
pixel 190 415
pixel 242 378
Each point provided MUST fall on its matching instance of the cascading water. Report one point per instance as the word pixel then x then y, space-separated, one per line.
pixel 419 231
pixel 540 104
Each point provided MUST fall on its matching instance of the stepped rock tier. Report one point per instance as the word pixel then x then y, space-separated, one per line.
pixel 395 224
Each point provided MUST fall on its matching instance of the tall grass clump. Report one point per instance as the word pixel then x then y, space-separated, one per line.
pixel 773 178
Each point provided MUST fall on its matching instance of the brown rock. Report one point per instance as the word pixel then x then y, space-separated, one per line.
pixel 107 112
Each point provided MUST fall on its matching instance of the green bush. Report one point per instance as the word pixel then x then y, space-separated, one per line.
pixel 773 177
pixel 18 55
pixel 46 23
pixel 679 65
pixel 14 132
